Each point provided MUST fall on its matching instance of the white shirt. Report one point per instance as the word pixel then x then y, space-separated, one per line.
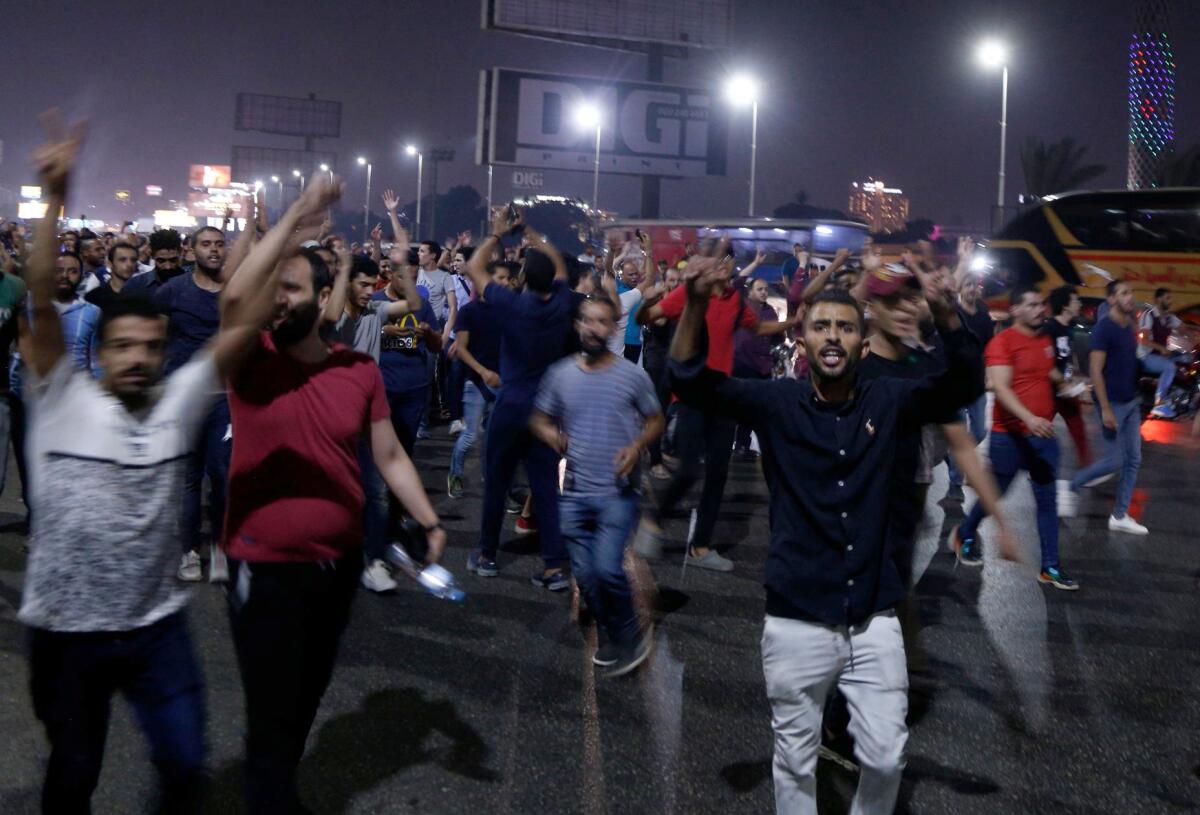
pixel 105 488
pixel 629 301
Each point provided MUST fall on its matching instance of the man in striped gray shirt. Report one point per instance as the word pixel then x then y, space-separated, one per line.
pixel 600 411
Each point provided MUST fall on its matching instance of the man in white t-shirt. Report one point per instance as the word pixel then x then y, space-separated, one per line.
pixel 107 459
pixel 636 281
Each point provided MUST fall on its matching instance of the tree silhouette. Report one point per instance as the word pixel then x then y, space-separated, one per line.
pixel 1056 167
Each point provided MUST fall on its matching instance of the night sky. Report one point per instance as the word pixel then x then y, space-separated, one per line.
pixel 851 88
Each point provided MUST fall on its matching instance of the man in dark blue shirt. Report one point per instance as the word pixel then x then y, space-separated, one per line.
pixel 1113 367
pixel 190 301
pixel 537 329
pixel 832 579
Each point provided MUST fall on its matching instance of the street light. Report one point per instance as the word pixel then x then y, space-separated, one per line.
pixel 588 116
pixel 742 90
pixel 993 54
pixel 299 175
pixel 362 162
pixel 411 149
pixel 325 169
pixel 276 180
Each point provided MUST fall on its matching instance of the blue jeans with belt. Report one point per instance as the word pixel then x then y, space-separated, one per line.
pixel 1011 453
pixel 1122 456
pixel 596 529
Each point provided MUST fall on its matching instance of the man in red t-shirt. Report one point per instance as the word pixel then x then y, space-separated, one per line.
pixel 1020 366
pixel 293 529
pixel 700 433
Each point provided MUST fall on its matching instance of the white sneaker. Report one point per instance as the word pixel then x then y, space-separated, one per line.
pixel 189 567
pixel 456 427
pixel 1068 501
pixel 377 578
pixel 218 566
pixel 1126 524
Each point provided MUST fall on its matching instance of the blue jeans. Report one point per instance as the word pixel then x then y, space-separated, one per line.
pixel 1039 457
pixel 408 413
pixel 975 415
pixel 596 529
pixel 375 504
pixel 210 458
pixel 1122 456
pixel 475 410
pixel 1164 368
pixel 73 677
pixel 510 443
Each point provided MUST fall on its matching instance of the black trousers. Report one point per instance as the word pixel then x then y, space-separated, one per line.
pixel 287 620
pixel 700 434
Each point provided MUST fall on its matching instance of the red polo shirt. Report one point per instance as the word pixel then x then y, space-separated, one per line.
pixel 1031 359
pixel 726 314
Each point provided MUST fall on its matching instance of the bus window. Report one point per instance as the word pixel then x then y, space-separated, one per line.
pixel 1166 230
pixel 1095 227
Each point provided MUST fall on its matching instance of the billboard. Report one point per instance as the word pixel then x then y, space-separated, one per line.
pixel 527 119
pixel 153 190
pixel 252 164
pixel 31 192
pixel 310 118
pixel 216 201
pixel 617 23
pixel 209 175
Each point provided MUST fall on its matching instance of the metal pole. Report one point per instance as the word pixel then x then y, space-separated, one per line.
pixel 753 152
pixel 1003 138
pixel 487 216
pixel 367 204
pixel 281 195
pixel 420 168
pixel 596 173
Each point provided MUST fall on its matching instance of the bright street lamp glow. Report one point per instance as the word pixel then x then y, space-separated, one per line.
pixel 324 168
pixel 361 160
pixel 411 149
pixel 295 173
pixel 587 116
pixel 274 179
pixel 741 90
pixel 258 183
pixel 992 54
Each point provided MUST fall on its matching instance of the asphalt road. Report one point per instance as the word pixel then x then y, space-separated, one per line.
pixel 1031 700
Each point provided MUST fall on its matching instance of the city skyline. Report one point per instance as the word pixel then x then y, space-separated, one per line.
pixel 870 92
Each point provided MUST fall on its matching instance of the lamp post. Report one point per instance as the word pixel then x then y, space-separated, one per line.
pixel 587 116
pixel 413 151
pixel 325 169
pixel 277 180
pixel 299 175
pixel 367 201
pixel 742 90
pixel 993 54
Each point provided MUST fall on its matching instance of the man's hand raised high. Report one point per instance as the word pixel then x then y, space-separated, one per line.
pixel 55 159
pixel 705 270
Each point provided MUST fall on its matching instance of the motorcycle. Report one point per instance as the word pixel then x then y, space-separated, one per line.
pixel 1184 395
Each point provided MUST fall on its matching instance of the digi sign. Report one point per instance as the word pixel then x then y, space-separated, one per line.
pixel 210 175
pixel 528 119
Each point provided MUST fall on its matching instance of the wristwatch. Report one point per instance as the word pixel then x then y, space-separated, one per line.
pixel 433 527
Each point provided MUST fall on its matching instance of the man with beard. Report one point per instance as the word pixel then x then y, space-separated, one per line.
pixel 166 248
pixel 294 533
pixel 832 582
pixel 92 252
pixel 107 460
pixel 122 260
pixel 599 410
pixel 193 317
pixel 536 329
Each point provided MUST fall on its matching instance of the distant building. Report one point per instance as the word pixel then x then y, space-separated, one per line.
pixel 882 208
pixel 1151 93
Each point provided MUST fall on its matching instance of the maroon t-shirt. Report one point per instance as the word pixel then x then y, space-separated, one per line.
pixel 726 313
pixel 295 488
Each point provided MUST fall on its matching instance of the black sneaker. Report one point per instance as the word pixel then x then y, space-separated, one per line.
pixel 969 551
pixel 632 656
pixel 555 581
pixel 606 655
pixel 954 493
pixel 454 486
pixel 514 502
pixel 1053 576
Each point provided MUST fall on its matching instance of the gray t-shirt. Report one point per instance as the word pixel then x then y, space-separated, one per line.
pixel 105 487
pixel 363 334
pixel 437 282
pixel 600 412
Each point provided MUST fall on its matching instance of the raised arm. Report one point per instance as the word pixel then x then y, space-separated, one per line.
pixel 759 257
pixel 390 203
pixel 477 266
pixel 54 162
pixel 341 289
pixel 249 296
pixel 241 247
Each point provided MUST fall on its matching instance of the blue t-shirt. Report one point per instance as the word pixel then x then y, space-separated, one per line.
pixel 536 333
pixel 633 331
pixel 1120 363
pixel 193 317
pixel 478 317
pixel 404 360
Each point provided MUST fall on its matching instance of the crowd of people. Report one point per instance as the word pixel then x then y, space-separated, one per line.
pixel 296 374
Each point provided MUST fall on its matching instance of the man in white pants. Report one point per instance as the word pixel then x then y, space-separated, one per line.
pixel 830 460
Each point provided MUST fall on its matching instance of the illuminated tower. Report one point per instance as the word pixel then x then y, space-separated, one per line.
pixel 1151 92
